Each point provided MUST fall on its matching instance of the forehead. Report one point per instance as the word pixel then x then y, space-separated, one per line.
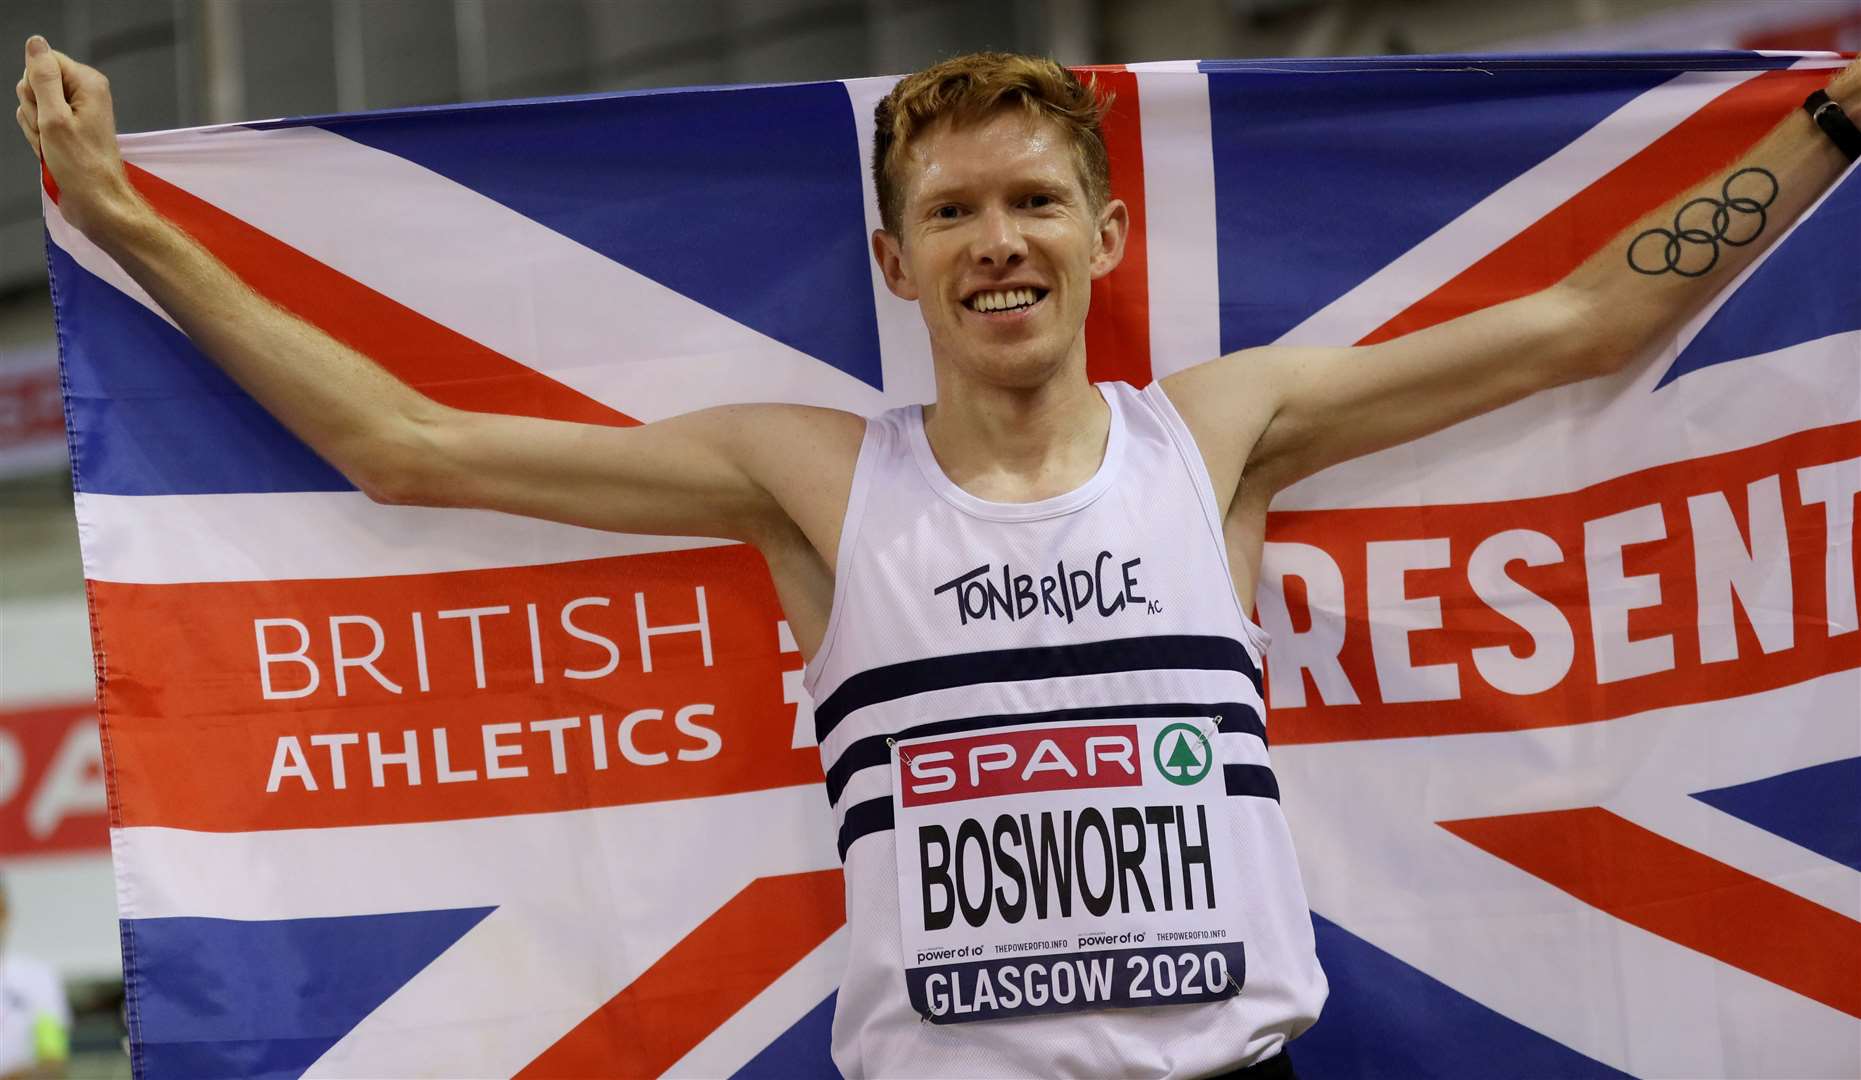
pixel 1007 147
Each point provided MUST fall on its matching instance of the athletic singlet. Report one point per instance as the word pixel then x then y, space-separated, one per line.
pixel 1044 740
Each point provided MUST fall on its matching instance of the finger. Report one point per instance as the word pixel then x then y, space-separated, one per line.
pixel 47 81
pixel 28 123
pixel 23 91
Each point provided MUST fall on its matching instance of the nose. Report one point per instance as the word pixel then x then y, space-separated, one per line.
pixel 998 239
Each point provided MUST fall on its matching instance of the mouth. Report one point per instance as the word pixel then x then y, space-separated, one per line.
pixel 1005 303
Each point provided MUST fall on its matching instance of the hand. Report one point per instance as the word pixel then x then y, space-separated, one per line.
pixel 1845 88
pixel 66 113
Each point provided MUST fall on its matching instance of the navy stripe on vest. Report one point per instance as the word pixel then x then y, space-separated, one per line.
pixel 875 815
pixel 1156 653
pixel 871 816
pixel 1256 780
pixel 873 750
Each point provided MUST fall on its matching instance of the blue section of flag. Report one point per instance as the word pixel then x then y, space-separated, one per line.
pixel 800 1053
pixel 232 998
pixel 748 202
pixel 1322 180
pixel 1387 1019
pixel 1806 289
pixel 149 415
pixel 1818 807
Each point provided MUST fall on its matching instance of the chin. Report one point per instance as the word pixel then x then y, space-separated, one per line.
pixel 1026 364
pixel 1025 367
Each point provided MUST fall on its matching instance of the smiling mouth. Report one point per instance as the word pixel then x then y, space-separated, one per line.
pixel 1005 301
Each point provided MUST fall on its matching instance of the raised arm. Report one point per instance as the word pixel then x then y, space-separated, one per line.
pixel 735 472
pixel 1308 408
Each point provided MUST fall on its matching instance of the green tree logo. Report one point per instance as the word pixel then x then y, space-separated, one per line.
pixel 1183 754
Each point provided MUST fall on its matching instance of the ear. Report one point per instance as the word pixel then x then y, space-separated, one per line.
pixel 889 252
pixel 1114 225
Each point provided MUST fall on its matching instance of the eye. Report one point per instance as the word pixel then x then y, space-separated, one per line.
pixel 1039 202
pixel 946 213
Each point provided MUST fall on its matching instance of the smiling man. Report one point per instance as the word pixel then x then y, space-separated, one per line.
pixel 1024 606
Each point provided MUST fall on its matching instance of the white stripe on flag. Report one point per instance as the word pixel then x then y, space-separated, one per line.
pixel 517 858
pixel 1192 67
pixel 904 347
pixel 1179 201
pixel 513 285
pixel 272 536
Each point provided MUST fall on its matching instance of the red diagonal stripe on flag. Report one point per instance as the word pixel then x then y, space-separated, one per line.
pixel 1554 245
pixel 1643 878
pixel 443 364
pixel 709 975
pixel 1118 323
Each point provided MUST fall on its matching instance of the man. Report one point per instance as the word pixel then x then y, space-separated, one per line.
pixel 35 1018
pixel 1003 597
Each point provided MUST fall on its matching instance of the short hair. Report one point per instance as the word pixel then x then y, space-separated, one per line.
pixel 969 88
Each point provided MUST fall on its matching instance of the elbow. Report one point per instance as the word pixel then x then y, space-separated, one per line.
pixel 403 469
pixel 1607 359
pixel 1605 336
pixel 1614 353
pixel 385 480
pixel 388 487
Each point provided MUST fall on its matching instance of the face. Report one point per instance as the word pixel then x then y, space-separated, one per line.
pixel 999 245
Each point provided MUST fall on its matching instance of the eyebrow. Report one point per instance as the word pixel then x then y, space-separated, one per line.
pixel 951 191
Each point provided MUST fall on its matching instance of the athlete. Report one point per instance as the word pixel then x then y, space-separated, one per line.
pixel 1020 666
pixel 35 1017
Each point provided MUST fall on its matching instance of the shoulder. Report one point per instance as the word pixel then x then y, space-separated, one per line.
pixel 770 441
pixel 809 427
pixel 1227 403
pixel 803 455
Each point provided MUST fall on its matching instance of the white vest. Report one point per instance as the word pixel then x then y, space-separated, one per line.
pixel 959 621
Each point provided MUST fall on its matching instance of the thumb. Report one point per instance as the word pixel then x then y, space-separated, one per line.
pixel 47 80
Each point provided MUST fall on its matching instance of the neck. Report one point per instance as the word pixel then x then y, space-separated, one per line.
pixel 1018 444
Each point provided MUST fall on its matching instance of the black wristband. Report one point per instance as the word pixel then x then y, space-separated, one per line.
pixel 1835 123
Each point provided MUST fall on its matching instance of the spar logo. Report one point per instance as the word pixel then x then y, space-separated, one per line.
pixel 1182 754
pixel 1019 762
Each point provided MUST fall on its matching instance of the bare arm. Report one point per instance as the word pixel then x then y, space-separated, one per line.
pixel 734 472
pixel 1314 407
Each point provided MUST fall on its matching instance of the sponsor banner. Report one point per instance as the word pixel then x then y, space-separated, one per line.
pixel 32 413
pixel 1040 861
pixel 52 796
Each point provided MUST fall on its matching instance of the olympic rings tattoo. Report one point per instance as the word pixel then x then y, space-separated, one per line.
pixel 1746 206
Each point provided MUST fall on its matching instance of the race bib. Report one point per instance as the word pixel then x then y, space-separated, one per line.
pixel 1060 867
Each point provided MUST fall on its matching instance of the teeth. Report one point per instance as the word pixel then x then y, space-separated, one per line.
pixel 1002 299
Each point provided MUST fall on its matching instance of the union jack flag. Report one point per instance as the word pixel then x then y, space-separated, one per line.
pixel 1565 701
